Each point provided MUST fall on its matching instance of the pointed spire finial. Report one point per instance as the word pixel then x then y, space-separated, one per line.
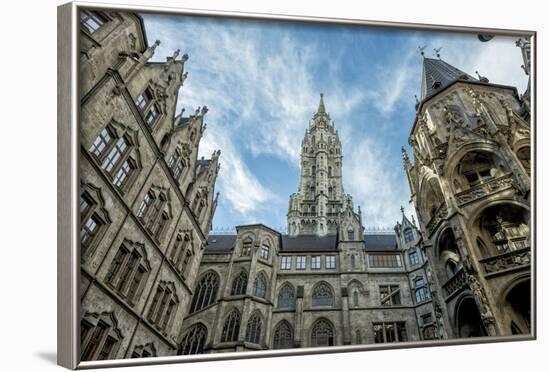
pixel 402 210
pixel 483 79
pixel 321 108
pixel 436 52
pixel 421 50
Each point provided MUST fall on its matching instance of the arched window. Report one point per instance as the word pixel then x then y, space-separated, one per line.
pixel 286 298
pixel 322 295
pixel 352 259
pixel 205 293
pixel 283 336
pixel 144 351
pixel 254 329
pixel 99 337
pixel 322 333
pixel 358 339
pixel 230 332
pixel 128 271
pixel 239 284
pixel 451 269
pixel 409 236
pixel 193 340
pixel 116 155
pixel 351 234
pixel 94 219
pixel 330 171
pixel 164 305
pixel 355 298
pixel 264 251
pixel 260 286
pixel 247 247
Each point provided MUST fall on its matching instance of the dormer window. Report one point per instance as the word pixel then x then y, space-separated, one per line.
pixel 409 235
pixel 436 85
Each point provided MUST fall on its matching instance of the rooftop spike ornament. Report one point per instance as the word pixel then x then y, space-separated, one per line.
pixel 421 50
pixel 436 52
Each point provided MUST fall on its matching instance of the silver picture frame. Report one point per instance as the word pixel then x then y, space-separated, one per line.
pixel 68 222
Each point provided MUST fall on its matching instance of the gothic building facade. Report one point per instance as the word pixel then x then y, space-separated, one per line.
pixel 155 283
pixel 146 201
pixel 471 185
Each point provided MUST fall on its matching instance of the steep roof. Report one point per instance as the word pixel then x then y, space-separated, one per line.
pixel 306 243
pixel 437 74
pixel 380 242
pixel 309 243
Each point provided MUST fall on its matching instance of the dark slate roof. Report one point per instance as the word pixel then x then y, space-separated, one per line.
pixel 380 242
pixel 221 243
pixel 437 70
pixel 308 243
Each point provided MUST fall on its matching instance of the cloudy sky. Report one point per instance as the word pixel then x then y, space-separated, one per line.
pixel 261 82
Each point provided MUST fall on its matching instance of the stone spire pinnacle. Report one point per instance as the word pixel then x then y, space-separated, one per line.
pixel 321 109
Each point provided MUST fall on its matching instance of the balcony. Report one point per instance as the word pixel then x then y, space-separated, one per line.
pixel 455 284
pixel 485 189
pixel 506 261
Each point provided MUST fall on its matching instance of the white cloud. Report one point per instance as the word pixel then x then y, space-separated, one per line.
pixel 380 190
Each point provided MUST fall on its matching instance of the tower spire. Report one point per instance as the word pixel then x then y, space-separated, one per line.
pixel 321 109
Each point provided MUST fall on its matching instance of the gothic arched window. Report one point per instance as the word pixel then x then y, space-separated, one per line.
pixel 409 236
pixel 239 284
pixel 355 298
pixel 116 155
pixel 254 329
pixel 144 351
pixel 99 337
pixel 260 286
pixel 193 340
pixel 322 333
pixel 286 298
pixel 352 261
pixel 322 295
pixel 351 234
pixel 230 332
pixel 205 293
pixel 94 219
pixel 128 271
pixel 164 305
pixel 282 336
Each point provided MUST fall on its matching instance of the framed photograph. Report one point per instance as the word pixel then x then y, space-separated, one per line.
pixel 236 185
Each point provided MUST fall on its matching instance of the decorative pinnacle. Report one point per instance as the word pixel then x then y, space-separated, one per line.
pixel 436 52
pixel 321 108
pixel 421 50
pixel 185 57
pixel 402 210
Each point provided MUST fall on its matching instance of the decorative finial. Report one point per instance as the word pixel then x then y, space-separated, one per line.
pixel 402 210
pixel 182 111
pixel 156 44
pixel 421 50
pixel 176 53
pixel 436 52
pixel 185 57
pixel 483 79
pixel 204 110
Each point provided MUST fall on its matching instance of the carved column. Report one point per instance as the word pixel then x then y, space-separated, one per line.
pixel 345 316
pixel 298 321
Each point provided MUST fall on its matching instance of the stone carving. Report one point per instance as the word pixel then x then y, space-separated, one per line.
pixel 507 260
pixel 482 303
pixel 482 190
pixel 439 215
